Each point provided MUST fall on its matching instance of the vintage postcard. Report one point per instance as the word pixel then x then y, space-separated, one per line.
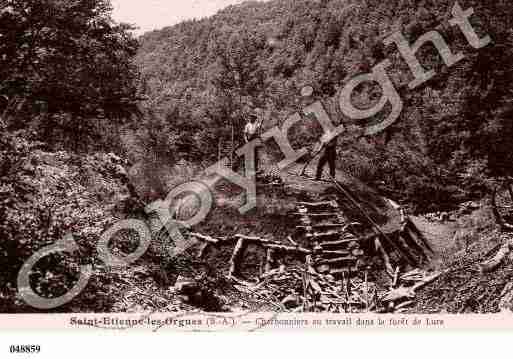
pixel 281 165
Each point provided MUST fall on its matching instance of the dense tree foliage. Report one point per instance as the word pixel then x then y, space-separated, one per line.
pixel 66 58
pixel 67 79
pixel 452 137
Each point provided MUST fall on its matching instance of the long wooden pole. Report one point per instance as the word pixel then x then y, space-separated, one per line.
pixel 371 221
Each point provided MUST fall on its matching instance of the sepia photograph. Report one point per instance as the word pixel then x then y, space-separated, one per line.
pixel 196 164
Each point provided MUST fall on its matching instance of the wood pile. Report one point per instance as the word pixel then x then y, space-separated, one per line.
pixel 402 290
pixel 335 253
pixel 312 288
pixel 297 289
pixel 336 249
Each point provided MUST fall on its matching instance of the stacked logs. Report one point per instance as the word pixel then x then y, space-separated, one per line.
pixel 295 289
pixel 272 248
pixel 312 288
pixel 336 249
pixel 334 277
pixel 408 244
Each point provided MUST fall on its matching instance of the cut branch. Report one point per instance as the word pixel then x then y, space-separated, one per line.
pixel 269 262
pixel 384 255
pixel 496 261
pixel 236 259
pixel 204 238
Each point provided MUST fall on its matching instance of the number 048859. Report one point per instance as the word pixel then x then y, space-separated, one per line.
pixel 24 349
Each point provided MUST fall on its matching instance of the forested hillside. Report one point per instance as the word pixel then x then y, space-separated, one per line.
pixel 98 127
pixel 67 73
pixel 203 76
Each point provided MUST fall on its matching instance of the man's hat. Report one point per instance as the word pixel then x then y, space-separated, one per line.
pixel 252 116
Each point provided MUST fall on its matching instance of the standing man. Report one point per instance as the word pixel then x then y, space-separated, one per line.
pixel 251 132
pixel 329 157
